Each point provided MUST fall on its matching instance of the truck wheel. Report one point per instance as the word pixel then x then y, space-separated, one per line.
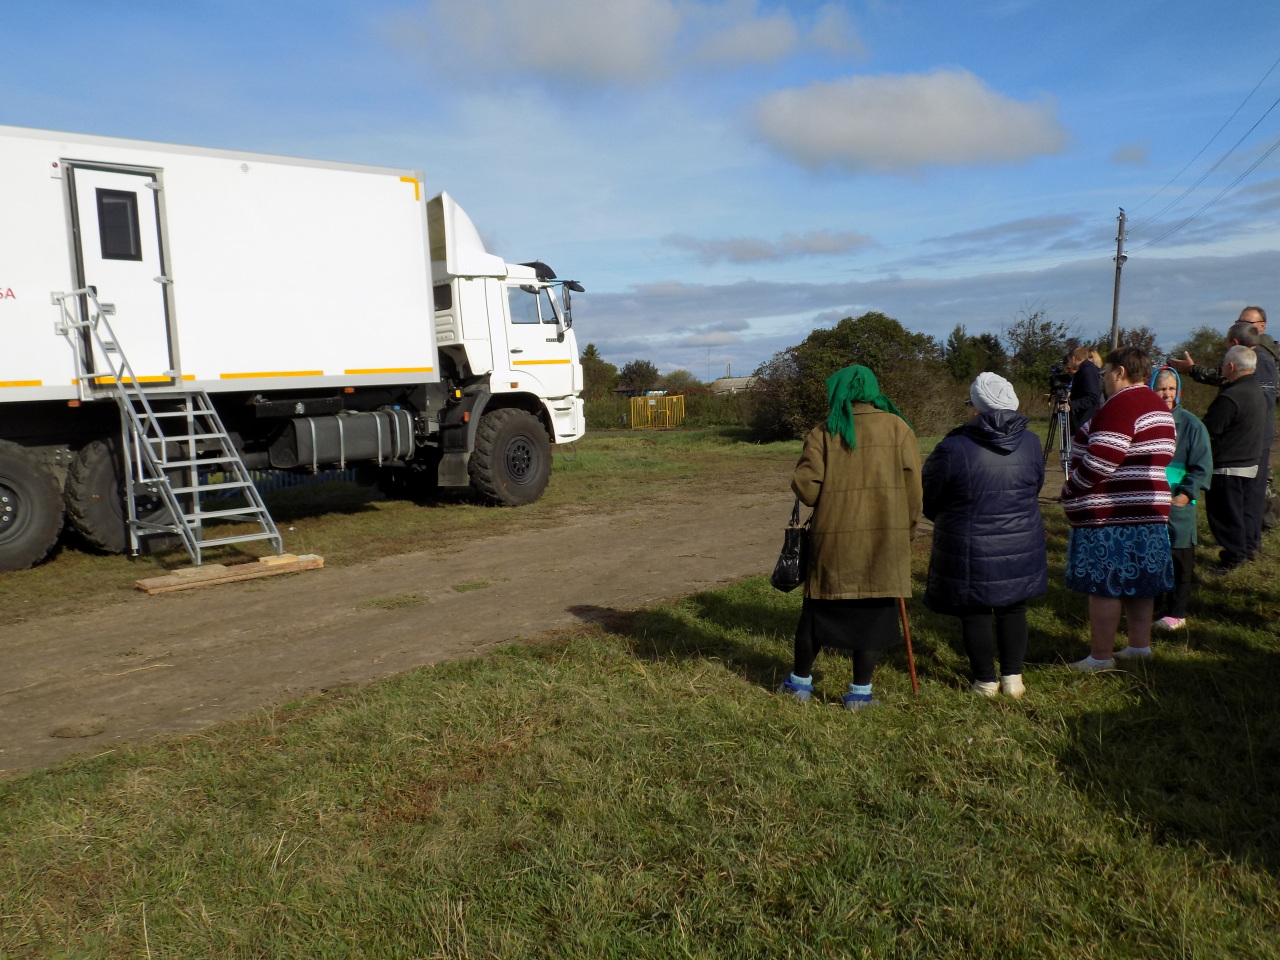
pixel 30 508
pixel 95 498
pixel 511 463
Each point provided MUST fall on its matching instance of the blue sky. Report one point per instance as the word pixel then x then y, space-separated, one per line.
pixel 725 176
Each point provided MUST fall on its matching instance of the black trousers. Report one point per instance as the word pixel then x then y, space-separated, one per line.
pixel 1174 603
pixel 1226 509
pixel 981 643
pixel 1257 499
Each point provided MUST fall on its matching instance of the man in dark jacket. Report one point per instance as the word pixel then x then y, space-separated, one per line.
pixel 1235 423
pixel 1086 387
pixel 1257 318
pixel 1246 332
pixel 981 490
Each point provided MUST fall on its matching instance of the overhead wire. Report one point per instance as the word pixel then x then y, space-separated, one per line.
pixel 1209 142
pixel 1222 193
pixel 1217 163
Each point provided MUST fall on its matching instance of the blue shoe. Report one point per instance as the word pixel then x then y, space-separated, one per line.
pixel 859 701
pixel 801 691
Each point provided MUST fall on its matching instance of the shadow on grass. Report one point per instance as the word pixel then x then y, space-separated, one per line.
pixel 730 630
pixel 1197 760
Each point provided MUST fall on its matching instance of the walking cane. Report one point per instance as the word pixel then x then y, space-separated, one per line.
pixel 911 657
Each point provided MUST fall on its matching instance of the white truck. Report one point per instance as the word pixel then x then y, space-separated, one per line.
pixel 172 318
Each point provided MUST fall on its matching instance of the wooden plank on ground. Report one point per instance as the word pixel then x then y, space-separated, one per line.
pixel 188 578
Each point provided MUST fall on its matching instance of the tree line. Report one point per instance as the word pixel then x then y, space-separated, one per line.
pixel 600 378
pixel 927 378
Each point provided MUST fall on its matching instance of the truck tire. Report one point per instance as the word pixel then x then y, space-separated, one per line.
pixel 511 463
pixel 95 498
pixel 30 508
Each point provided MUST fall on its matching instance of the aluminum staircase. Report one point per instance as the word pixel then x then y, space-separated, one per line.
pixel 179 452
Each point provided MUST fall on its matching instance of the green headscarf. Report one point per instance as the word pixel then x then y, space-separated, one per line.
pixel 855 384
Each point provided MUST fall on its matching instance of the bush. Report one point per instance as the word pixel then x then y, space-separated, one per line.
pixel 608 413
pixel 791 397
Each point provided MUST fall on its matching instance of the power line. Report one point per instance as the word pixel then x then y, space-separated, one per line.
pixel 1182 196
pixel 1222 193
pixel 1224 126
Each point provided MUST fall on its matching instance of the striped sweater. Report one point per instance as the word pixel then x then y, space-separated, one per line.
pixel 1118 460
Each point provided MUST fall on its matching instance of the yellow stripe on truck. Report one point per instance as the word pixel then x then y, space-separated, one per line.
pixel 21 383
pixel 271 373
pixel 102 381
pixel 355 373
pixel 527 363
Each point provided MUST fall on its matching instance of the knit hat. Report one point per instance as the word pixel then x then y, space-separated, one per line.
pixel 853 384
pixel 990 391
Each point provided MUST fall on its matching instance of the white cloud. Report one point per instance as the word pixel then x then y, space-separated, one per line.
pixel 710 340
pixel 1133 154
pixel 576 40
pixel 834 32
pixel 756 249
pixel 889 124
pixel 753 40
pixel 590 41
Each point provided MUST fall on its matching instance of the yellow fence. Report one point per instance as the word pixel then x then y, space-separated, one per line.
pixel 656 413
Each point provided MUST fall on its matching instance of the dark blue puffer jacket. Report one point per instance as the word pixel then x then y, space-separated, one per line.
pixel 981 489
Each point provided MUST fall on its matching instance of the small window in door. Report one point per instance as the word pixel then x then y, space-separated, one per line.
pixel 524 305
pixel 118 225
pixel 544 301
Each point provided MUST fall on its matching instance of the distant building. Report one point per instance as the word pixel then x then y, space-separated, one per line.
pixel 733 384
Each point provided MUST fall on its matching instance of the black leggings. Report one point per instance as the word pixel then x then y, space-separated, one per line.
pixel 864 662
pixel 1010 637
pixel 850 626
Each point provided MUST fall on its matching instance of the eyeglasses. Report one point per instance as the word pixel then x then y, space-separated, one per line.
pixel 968 403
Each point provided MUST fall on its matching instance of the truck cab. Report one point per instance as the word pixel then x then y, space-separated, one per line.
pixel 504 331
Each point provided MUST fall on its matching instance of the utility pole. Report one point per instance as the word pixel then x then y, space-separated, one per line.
pixel 1115 300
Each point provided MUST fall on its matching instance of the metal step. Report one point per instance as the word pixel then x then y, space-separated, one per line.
pixel 224 485
pixel 244 538
pixel 175 464
pixel 251 514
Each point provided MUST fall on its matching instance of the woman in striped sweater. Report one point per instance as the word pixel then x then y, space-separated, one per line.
pixel 1116 498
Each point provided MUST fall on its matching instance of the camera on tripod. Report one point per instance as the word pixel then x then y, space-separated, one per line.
pixel 1059 383
pixel 1059 434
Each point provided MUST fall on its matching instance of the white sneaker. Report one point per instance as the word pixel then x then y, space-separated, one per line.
pixel 1134 653
pixel 1012 685
pixel 987 688
pixel 1090 665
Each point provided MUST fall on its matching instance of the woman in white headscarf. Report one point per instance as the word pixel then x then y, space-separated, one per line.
pixel 981 490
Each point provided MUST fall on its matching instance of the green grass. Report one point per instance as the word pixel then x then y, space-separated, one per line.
pixel 635 789
pixel 348 524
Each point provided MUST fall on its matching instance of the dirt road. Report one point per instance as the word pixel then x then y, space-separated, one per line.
pixel 176 663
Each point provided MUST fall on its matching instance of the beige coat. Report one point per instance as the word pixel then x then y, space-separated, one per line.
pixel 868 502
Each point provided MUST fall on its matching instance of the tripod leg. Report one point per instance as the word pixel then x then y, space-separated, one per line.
pixel 1049 435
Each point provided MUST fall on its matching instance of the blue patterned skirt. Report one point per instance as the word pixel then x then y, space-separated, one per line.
pixel 1120 560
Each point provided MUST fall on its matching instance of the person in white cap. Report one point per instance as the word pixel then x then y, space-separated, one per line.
pixel 981 490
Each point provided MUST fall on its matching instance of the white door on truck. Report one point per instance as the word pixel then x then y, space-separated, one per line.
pixel 537 353
pixel 116 216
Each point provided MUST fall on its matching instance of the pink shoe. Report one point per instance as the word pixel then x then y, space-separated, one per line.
pixel 1169 623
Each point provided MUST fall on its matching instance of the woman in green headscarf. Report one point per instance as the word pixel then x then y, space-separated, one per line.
pixel 860 471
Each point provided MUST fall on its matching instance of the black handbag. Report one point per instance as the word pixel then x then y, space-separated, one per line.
pixel 793 563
